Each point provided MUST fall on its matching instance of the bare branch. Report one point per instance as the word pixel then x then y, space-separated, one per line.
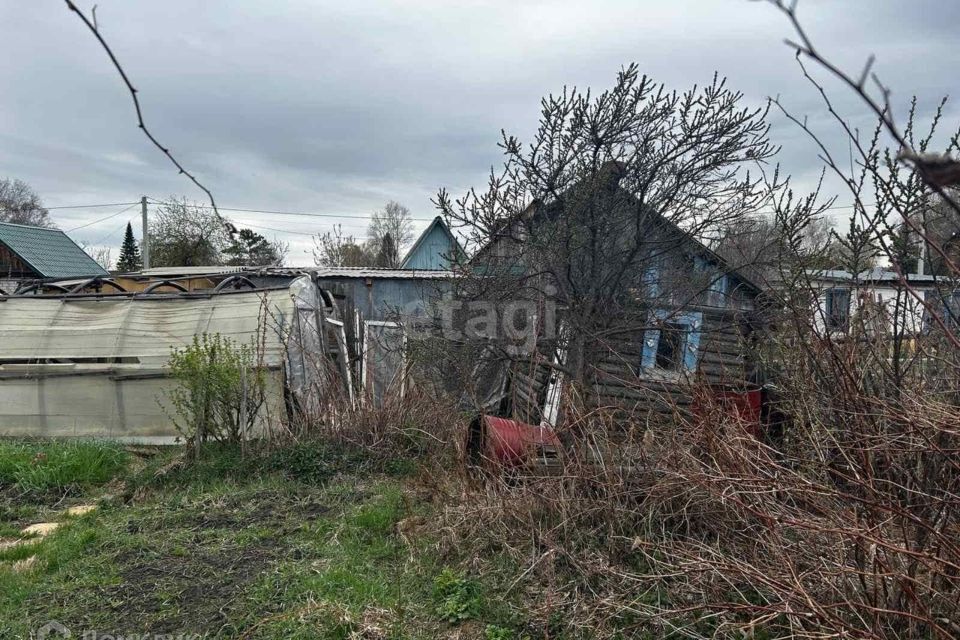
pixel 136 105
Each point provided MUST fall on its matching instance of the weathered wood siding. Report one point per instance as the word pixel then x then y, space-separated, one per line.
pixel 619 383
pixel 11 266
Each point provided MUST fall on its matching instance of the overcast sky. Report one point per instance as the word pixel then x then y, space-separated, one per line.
pixel 337 107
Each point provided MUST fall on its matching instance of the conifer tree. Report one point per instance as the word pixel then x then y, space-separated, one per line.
pixel 130 259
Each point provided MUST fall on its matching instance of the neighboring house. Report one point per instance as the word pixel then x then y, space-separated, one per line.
pixel 37 253
pixel 876 300
pixel 433 249
pixel 376 304
pixel 690 327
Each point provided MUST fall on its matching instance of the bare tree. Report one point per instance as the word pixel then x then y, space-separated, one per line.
pixel 389 233
pixel 611 185
pixel 182 234
pixel 941 224
pixel 334 249
pixel 843 524
pixel 20 204
pixel 185 234
pixel 101 255
pixel 754 243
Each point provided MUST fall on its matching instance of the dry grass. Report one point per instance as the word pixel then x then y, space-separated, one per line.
pixel 702 531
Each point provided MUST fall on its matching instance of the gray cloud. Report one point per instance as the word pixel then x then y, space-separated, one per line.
pixel 336 107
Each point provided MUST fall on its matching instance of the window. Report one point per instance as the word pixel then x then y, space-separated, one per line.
pixel 670 347
pixel 952 314
pixel 715 283
pixel 944 304
pixel 838 309
pixel 651 281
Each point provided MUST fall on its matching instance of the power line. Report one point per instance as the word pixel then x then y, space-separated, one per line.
pixel 370 216
pixel 112 215
pixel 363 216
pixel 306 214
pixel 113 233
pixel 92 206
pixel 299 233
pixel 291 213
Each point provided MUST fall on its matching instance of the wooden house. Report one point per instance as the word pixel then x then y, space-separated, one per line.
pixel 434 248
pixel 683 324
pixel 37 253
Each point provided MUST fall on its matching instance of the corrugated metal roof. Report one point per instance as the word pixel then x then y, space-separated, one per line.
pixel 322 272
pixel 369 272
pixel 50 252
pixel 877 274
pixel 194 271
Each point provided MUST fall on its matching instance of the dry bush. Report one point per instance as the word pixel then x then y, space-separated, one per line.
pixel 414 425
pixel 845 529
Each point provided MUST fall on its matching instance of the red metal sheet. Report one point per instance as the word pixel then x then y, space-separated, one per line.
pixel 511 442
pixel 745 406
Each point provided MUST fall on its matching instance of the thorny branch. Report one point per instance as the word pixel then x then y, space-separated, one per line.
pixel 937 172
pixel 92 25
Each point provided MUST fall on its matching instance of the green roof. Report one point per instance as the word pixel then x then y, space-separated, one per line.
pixel 49 251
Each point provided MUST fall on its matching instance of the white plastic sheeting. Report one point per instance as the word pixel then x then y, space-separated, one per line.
pixel 97 366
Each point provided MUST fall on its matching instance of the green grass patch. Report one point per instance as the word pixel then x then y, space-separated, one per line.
pixel 58 466
pixel 457 597
pixel 301 542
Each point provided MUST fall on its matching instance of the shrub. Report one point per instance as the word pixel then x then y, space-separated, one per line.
pixel 417 426
pixel 313 461
pixel 457 598
pixel 220 389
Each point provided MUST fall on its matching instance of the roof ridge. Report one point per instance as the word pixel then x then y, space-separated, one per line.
pixel 49 254
pixel 437 221
pixel 33 226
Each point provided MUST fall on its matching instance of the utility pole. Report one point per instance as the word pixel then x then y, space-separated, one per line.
pixel 146 233
pixel 921 258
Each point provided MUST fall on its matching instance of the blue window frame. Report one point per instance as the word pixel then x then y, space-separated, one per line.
pixel 651 281
pixel 719 283
pixel 947 305
pixel 674 344
pixel 837 311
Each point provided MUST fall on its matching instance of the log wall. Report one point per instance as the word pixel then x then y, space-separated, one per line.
pixel 619 384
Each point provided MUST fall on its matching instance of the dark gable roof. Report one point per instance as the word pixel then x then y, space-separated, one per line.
pixel 612 173
pixel 49 252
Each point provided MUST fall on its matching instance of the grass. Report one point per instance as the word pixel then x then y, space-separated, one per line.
pixel 40 467
pixel 305 542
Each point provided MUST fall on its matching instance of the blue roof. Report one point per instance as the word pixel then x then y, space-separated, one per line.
pixel 432 250
pixel 49 252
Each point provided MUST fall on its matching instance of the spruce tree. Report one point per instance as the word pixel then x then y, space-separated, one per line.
pixel 129 253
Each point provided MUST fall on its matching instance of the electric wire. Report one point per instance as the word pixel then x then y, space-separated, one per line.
pixel 112 215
